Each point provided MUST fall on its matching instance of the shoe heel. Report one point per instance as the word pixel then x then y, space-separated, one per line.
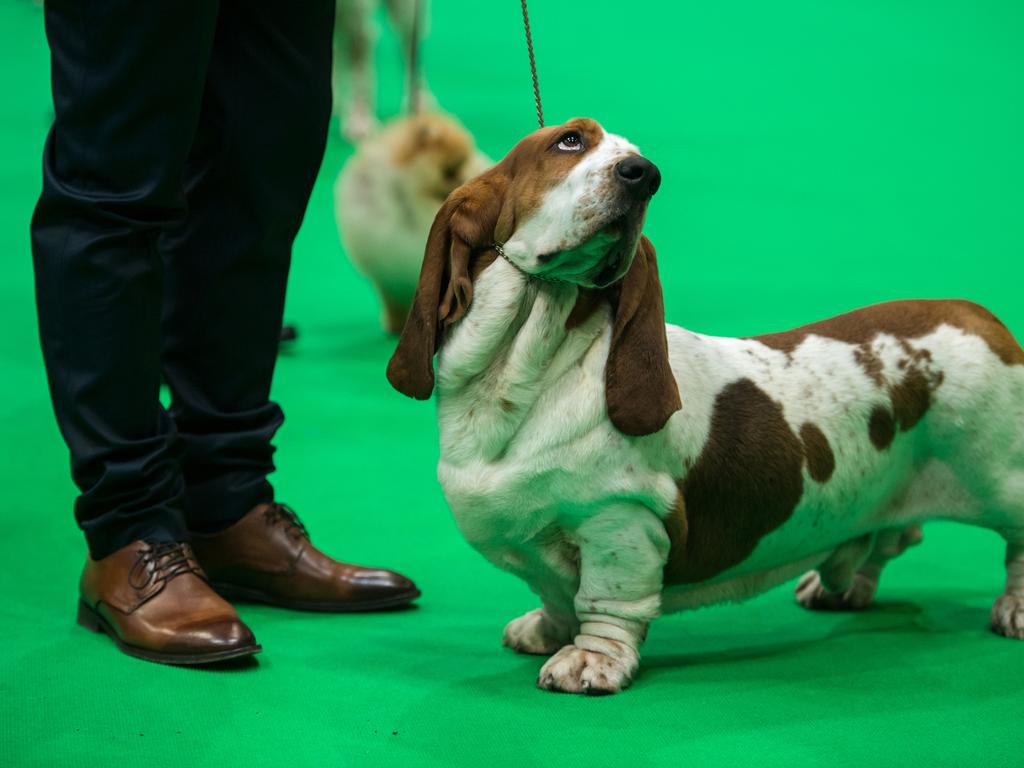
pixel 87 618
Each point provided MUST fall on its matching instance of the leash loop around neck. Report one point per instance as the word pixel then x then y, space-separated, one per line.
pixel 500 250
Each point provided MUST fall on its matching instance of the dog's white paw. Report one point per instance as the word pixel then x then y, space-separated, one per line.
pixel 536 632
pixel 811 593
pixel 574 670
pixel 1008 616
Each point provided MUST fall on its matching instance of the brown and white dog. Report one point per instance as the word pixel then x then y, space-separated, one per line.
pixel 624 468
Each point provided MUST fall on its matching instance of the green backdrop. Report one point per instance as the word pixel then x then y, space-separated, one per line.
pixel 816 156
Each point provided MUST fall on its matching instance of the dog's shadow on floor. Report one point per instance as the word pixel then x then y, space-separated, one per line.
pixel 889 619
pixel 719 657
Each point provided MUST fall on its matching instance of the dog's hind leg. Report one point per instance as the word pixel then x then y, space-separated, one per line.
pixel 848 580
pixel 1008 611
pixel 622 550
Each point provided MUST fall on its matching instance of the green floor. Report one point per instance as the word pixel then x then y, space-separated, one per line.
pixel 816 156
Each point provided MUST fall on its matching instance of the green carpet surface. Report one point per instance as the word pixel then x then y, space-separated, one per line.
pixel 816 157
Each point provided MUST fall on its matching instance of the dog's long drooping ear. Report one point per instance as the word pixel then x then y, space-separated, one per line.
pixel 639 386
pixel 465 224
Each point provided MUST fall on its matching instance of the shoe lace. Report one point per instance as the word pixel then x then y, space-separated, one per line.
pixel 161 561
pixel 281 513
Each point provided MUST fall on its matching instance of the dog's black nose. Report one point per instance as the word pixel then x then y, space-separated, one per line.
pixel 640 175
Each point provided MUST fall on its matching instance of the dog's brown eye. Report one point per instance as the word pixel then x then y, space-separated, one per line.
pixel 570 142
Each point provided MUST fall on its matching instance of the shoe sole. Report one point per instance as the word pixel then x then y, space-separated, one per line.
pixel 234 593
pixel 94 622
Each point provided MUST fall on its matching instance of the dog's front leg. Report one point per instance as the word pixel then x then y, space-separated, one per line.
pixel 540 631
pixel 622 554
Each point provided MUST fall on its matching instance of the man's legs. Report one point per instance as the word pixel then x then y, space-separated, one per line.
pixel 260 143
pixel 127 82
pixel 250 174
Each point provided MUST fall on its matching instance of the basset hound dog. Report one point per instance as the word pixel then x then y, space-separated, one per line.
pixel 624 468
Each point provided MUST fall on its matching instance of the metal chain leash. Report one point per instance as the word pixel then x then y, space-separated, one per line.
pixel 533 64
pixel 413 107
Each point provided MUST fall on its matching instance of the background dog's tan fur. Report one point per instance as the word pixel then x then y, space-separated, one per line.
pixel 387 195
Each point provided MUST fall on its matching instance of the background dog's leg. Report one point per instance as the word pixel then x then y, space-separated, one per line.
pixel 402 14
pixel 355 82
pixel 1008 611
pixel 848 580
pixel 540 631
pixel 622 554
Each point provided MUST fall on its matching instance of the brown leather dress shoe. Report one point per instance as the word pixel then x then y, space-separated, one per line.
pixel 267 557
pixel 153 600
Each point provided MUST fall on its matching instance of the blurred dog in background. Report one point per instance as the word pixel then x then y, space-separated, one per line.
pixel 355 37
pixel 388 194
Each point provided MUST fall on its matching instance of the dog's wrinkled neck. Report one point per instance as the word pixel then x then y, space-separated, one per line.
pixel 502 356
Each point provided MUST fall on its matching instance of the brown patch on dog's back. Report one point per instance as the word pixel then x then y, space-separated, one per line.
pixel 905 320
pixel 821 462
pixel 910 397
pixel 745 484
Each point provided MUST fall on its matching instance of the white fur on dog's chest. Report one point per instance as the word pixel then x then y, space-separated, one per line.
pixel 525 439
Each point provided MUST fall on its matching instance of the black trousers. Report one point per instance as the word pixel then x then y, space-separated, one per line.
pixel 187 137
